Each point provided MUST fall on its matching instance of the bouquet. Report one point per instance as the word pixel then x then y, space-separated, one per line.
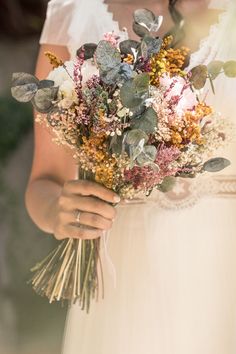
pixel 134 121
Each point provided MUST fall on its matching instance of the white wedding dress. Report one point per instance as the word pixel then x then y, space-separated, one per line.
pixel 175 254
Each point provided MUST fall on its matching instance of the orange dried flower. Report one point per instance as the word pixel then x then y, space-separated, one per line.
pixel 54 60
pixel 168 60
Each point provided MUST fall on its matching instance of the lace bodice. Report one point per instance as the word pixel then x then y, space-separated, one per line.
pixel 74 22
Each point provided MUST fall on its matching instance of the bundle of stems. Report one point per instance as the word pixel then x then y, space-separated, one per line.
pixel 71 271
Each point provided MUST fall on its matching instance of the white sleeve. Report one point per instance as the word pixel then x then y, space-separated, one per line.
pixel 58 19
pixel 74 22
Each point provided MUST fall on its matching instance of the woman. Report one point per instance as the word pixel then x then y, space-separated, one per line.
pixel 176 271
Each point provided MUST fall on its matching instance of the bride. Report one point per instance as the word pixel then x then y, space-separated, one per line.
pixel 174 254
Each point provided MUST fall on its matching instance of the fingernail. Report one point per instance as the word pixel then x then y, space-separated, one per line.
pixel 116 199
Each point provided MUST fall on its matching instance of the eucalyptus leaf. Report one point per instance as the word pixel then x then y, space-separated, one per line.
pixel 129 97
pixel 140 30
pixel 144 17
pixel 134 137
pixel 24 93
pixel 45 83
pixel 147 122
pixel 24 86
pixel 116 144
pixel 111 76
pixel 127 46
pixel 150 46
pixel 148 155
pixel 23 79
pixel 43 99
pixel 107 56
pixel 199 76
pixel 214 68
pixel 141 82
pixel 134 151
pixel 125 71
pixel 230 68
pixel 216 164
pixel 167 184
pixel 88 49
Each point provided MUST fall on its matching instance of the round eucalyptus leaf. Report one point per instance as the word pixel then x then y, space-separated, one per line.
pixel 140 30
pixel 88 49
pixel 24 93
pixel 230 68
pixel 134 137
pixel 199 76
pixel 20 78
pixel 150 46
pixel 147 156
pixel 127 46
pixel 167 184
pixel 126 71
pixel 144 17
pixel 45 83
pixel 129 96
pixel 116 144
pixel 147 122
pixel 111 76
pixel 141 82
pixel 216 164
pixel 43 99
pixel 214 68
pixel 107 56
pixel 24 86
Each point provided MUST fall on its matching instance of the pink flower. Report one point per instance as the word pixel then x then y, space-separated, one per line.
pixel 112 38
pixel 178 93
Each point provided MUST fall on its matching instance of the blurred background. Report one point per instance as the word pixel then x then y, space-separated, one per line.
pixel 28 324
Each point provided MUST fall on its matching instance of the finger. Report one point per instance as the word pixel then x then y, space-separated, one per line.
pixel 84 233
pixel 89 188
pixel 93 205
pixel 93 220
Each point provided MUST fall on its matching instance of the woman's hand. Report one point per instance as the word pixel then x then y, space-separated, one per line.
pixel 93 201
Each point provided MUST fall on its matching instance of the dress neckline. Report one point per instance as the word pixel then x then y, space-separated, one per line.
pixel 202 44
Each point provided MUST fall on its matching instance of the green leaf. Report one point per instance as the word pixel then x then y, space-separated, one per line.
pixel 150 45
pixel 141 82
pixel 216 164
pixel 126 72
pixel 23 78
pixel 107 56
pixel 214 68
pixel 43 99
pixel 127 46
pixel 167 184
pixel 111 76
pixel 116 144
pixel 24 86
pixel 45 83
pixel 129 96
pixel 147 19
pixel 141 31
pixel 230 68
pixel 148 155
pixel 134 137
pixel 147 122
pixel 88 49
pixel 24 93
pixel 199 76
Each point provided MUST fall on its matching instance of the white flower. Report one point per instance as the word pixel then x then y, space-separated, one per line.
pixel 67 90
pixel 60 74
pixel 88 70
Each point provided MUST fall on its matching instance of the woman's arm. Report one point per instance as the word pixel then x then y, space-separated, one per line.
pixel 53 195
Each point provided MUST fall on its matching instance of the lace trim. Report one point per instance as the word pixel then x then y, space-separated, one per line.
pixel 206 53
pixel 188 192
